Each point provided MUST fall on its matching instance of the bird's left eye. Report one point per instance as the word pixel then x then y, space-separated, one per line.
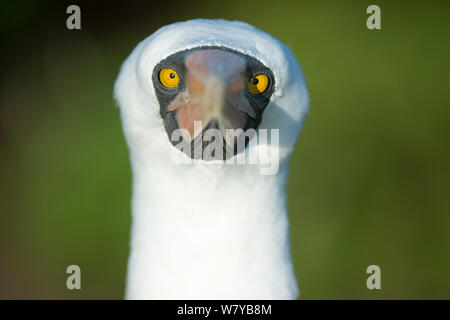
pixel 169 77
pixel 258 84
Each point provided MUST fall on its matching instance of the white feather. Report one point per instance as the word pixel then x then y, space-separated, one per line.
pixel 208 230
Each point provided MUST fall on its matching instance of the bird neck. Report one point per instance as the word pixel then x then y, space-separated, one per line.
pixel 209 231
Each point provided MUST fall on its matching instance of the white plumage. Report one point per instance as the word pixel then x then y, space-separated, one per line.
pixel 208 230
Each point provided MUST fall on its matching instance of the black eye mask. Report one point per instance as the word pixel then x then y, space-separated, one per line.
pixel 167 96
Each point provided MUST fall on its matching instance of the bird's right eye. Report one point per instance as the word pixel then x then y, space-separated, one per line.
pixel 169 78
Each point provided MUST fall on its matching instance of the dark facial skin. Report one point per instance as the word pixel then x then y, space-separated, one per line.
pixel 167 98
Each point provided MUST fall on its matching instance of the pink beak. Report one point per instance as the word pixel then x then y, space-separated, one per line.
pixel 215 84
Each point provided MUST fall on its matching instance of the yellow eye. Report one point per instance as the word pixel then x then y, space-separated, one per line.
pixel 168 78
pixel 258 84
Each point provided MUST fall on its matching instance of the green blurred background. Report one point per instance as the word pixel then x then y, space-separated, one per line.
pixel 370 176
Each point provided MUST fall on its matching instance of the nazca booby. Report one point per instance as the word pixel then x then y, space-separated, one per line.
pixel 208 229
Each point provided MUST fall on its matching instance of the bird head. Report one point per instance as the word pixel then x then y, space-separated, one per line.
pixel 193 76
